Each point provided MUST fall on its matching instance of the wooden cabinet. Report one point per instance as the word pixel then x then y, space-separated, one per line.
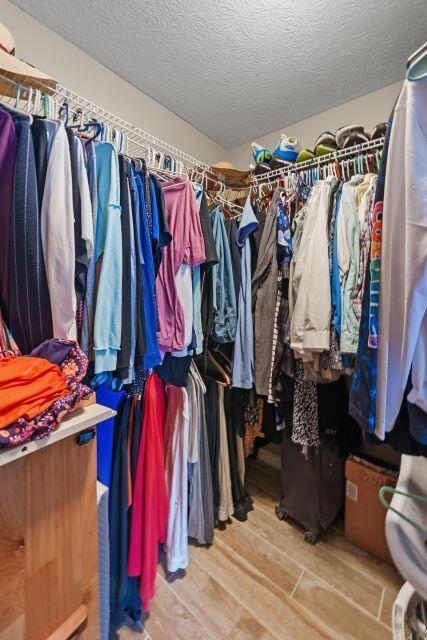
pixel 48 536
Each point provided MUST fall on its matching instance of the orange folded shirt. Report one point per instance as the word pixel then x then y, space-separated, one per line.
pixel 28 386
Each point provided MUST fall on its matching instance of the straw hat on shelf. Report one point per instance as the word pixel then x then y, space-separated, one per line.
pixel 18 70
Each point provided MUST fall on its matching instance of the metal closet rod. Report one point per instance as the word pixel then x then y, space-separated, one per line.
pixel 335 156
pixel 135 135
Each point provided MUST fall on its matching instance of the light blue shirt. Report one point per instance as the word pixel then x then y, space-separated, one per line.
pixel 108 244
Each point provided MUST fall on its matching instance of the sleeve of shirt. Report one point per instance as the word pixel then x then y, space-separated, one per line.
pixel 195 235
pixel 416 161
pixel 85 200
pixel 210 248
pixel 403 294
pixel 316 281
pixel 57 230
pixel 342 248
pixel 108 316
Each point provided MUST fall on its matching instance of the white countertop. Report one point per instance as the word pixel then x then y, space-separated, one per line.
pixel 77 421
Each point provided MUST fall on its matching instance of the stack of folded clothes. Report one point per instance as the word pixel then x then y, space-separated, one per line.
pixel 37 391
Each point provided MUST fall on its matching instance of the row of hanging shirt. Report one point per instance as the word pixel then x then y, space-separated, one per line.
pixel 330 239
pixel 88 217
pixel 307 291
pixel 329 298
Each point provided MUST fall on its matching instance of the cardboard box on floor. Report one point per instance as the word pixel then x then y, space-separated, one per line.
pixel 364 514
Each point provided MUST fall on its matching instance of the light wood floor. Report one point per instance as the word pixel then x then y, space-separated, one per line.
pixel 261 581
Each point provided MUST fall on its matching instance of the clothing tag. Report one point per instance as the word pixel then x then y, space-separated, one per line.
pixel 351 490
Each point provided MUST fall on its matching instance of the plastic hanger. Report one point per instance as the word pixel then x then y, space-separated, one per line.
pixel 29 99
pixel 18 95
pixel 51 110
pixel 377 159
pixel 417 64
pixel 45 101
pixel 137 163
pixel 334 170
pixel 16 108
pixel 64 112
pixel 411 496
pixel 80 126
pixel 37 101
pixel 98 130
pixel 123 141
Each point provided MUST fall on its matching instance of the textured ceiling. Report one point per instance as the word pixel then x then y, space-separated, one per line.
pixel 239 69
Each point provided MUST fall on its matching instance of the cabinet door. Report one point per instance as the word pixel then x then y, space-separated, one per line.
pixel 48 541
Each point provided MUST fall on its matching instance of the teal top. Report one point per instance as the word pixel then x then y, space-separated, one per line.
pixel 108 245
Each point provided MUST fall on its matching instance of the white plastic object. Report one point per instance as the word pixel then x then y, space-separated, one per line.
pixel 409 615
pixel 407 545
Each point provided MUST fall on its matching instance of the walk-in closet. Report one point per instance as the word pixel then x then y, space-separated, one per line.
pixel 213 320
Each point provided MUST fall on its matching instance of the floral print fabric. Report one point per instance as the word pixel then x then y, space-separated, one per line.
pixel 8 346
pixel 284 238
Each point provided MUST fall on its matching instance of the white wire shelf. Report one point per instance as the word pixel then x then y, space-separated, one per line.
pixel 138 141
pixel 336 156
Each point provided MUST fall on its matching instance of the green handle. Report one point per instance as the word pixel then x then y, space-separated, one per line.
pixel 382 493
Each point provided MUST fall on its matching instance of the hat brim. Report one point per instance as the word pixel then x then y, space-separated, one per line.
pixel 224 165
pixel 23 73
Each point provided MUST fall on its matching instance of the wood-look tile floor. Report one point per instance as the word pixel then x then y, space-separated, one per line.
pixel 261 581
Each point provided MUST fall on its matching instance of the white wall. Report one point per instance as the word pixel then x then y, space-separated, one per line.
pixel 77 71
pixel 368 111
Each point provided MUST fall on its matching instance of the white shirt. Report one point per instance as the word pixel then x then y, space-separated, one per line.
pixel 184 290
pixel 176 456
pixel 311 319
pixel 85 199
pixel 403 287
pixel 57 231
